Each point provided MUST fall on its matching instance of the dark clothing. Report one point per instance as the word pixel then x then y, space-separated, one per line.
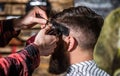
pixel 7 32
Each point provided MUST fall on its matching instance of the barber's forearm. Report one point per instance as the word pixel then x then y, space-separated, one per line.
pixel 33 58
pixel 22 63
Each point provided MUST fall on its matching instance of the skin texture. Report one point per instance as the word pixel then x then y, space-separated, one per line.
pixel 46 43
pixel 30 19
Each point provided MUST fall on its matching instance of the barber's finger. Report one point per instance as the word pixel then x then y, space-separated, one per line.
pixel 47 28
pixel 44 31
pixel 40 21
pixel 41 12
pixel 43 25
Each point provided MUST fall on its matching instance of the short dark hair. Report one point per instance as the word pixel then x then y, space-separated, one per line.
pixel 84 24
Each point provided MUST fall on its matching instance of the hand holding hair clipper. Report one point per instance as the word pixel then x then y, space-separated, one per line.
pixel 55 29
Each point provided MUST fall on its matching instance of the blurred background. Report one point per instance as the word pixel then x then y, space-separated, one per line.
pixel 107 51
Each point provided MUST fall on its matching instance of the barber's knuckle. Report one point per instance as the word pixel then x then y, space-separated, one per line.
pixel 35 8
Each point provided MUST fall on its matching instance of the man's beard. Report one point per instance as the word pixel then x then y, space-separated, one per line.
pixel 59 61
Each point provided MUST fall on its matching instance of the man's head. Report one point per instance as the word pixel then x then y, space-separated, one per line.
pixel 84 27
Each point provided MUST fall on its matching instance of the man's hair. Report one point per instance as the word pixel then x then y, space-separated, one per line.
pixel 84 25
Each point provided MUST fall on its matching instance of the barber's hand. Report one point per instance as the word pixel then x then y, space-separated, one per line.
pixel 46 43
pixel 30 19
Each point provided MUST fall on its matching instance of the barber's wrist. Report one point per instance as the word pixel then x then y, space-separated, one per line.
pixel 17 23
pixel 32 50
pixel 35 45
pixel 40 47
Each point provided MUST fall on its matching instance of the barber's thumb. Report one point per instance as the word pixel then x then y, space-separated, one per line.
pixel 40 21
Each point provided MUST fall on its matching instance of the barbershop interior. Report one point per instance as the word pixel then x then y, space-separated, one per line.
pixel 107 49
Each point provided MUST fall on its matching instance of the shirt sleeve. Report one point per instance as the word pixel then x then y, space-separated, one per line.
pixel 7 32
pixel 22 63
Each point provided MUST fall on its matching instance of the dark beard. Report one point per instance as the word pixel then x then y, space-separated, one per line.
pixel 59 61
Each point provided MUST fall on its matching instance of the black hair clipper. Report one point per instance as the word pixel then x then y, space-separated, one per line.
pixel 57 29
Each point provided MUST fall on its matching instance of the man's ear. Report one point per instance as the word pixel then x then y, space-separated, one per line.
pixel 70 42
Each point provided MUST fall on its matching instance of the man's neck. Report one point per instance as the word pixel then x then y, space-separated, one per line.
pixel 79 55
